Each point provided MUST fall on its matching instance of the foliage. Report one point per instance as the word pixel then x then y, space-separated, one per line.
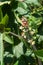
pixel 21 32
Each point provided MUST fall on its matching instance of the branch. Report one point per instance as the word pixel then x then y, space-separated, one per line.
pixel 35 49
pixel 12 33
pixel 39 61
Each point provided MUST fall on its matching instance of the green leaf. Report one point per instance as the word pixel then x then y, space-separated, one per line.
pixel 4 2
pixel 21 10
pixel 8 39
pixel 18 20
pixel 1 49
pixel 16 63
pixel 39 53
pixel 18 50
pixel 22 4
pixel 4 20
pixel 28 52
pixel 40 38
pixel 32 1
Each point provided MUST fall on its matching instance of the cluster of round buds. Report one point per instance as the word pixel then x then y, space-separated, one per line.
pixel 23 35
pixel 31 41
pixel 24 22
pixel 24 26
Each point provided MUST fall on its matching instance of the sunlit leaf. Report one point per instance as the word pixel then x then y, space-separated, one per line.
pixel 4 2
pixel 28 52
pixel 21 10
pixel 4 20
pixel 40 38
pixel 8 39
pixel 18 50
pixel 32 1
pixel 23 5
pixel 1 49
pixel 16 63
